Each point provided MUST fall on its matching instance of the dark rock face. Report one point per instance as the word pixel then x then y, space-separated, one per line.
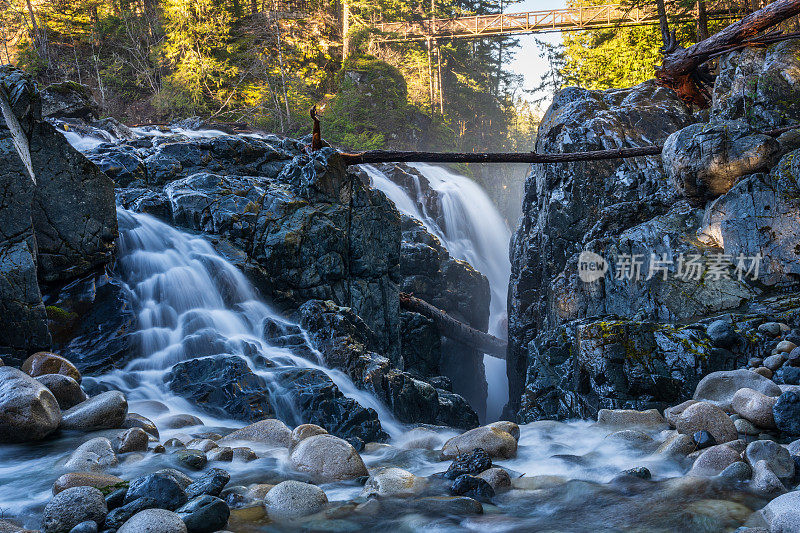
pixel 473 462
pixel 58 214
pixel 347 343
pixel 737 228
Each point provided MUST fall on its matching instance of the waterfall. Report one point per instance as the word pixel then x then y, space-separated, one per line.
pixel 191 303
pixel 473 230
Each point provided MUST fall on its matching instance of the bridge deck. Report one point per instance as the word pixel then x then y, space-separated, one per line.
pixel 570 19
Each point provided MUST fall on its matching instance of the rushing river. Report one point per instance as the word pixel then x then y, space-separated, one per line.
pixel 191 302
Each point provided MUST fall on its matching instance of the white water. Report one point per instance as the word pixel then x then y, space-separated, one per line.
pixel 473 231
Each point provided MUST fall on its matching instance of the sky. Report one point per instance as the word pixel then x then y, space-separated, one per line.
pixel 527 61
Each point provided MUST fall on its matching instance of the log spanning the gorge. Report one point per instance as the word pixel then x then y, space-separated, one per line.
pixel 389 156
pixel 455 330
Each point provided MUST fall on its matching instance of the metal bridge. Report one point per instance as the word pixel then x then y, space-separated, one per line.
pixel 569 19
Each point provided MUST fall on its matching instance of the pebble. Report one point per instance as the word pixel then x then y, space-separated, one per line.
pixel 473 462
pixel 755 407
pixel 785 346
pixel 472 487
pixel 764 371
pixel 28 410
pixel 84 479
pixel 154 521
pixel 703 439
pixel 773 329
pixel 42 363
pixel 708 417
pixel 774 362
pixel 719 387
pixel 271 432
pixel 304 431
pixel 94 455
pixel 294 499
pixel 162 488
pixel 104 411
pixel 193 459
pixel 204 514
pixel 327 458
pixel 67 391
pixel 393 482
pixel 134 420
pixel 777 457
pixel 90 526
pixel 496 442
pixel 211 483
pixel 72 506
pixel 764 479
pixel 786 413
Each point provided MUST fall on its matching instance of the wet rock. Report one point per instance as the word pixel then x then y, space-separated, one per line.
pixel 72 506
pixel 453 505
pixel 28 410
pixel 773 329
pixel 107 410
pixel 628 417
pixel 673 413
pixel 714 460
pixel 496 442
pixel 785 346
pixel 204 514
pixel 638 472
pixel 719 387
pixel 632 438
pixel 116 498
pixel 95 455
pixel 764 371
pixel 777 457
pixel 738 471
pixel 204 445
pixel 304 431
pixel 294 499
pixel 708 417
pixel 271 432
pixel 706 160
pixel 764 479
pixel 154 521
pixel 134 420
pixel 773 362
pixel 123 513
pixel 722 333
pixel 211 482
pixel 181 421
pixel 68 100
pixel 84 479
pixel 244 454
pixel 511 428
pixel 783 513
pixel 472 487
pixel 42 363
pixel 67 391
pixel 703 439
pixel 162 488
pixel 473 462
pixel 786 413
pixel 193 459
pixel 393 482
pixel 498 478
pixel 222 453
pixel 677 445
pixel 755 407
pixel 132 440
pixel 327 458
pixel 90 526
pixel 746 427
pixel 789 375
pixel 179 477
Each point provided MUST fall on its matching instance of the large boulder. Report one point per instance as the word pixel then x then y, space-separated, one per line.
pixel 569 205
pixel 104 411
pixel 720 387
pixel 706 160
pixel 294 499
pixel 327 458
pixel 72 506
pixel 28 410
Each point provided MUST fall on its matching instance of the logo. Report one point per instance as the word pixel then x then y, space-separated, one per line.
pixel 591 266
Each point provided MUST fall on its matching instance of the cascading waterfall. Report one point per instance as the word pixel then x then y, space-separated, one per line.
pixel 193 303
pixel 473 231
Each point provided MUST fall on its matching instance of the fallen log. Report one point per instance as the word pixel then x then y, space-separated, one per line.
pixel 453 329
pixel 680 67
pixel 388 156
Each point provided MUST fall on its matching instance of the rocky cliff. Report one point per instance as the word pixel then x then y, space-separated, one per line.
pixel 673 240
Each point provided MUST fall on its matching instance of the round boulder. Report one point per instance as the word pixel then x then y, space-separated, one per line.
pixel 718 388
pixel 154 521
pixel 205 514
pixel 104 411
pixel 94 455
pixel 755 407
pixel 303 431
pixel 162 488
pixel 714 460
pixel 67 391
pixel 132 440
pixel 42 363
pixel 327 458
pixel 497 477
pixel 28 410
pixel 708 417
pixel 393 482
pixel 72 506
pixel 495 441
pixel 294 499
pixel 270 432
pixel 776 456
pixel 84 479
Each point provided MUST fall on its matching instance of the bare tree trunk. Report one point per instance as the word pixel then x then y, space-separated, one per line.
pixel 663 23
pixel 702 20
